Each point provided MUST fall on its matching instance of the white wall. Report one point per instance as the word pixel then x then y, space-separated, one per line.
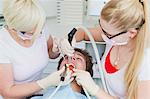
pixel 95 6
pixel 0 6
pixel 50 7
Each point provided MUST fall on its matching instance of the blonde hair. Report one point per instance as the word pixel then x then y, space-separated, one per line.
pixel 131 14
pixel 147 19
pixel 24 15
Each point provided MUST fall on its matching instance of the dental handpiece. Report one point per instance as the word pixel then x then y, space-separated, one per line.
pixel 71 34
pixel 70 38
pixel 63 74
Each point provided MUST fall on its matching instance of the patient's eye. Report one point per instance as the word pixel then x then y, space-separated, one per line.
pixel 78 59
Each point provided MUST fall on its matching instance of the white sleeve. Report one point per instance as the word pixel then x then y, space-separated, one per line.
pixel 3 57
pixel 46 32
pixel 144 73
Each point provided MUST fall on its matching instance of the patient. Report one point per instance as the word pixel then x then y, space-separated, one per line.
pixel 83 61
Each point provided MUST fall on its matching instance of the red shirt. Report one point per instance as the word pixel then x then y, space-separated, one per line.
pixel 108 66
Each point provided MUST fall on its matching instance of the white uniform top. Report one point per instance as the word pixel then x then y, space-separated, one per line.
pixel 115 81
pixel 28 63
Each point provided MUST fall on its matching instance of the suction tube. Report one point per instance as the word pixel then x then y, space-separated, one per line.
pixel 55 91
pixel 98 61
pixel 97 56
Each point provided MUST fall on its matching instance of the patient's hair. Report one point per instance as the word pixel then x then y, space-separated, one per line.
pixel 87 57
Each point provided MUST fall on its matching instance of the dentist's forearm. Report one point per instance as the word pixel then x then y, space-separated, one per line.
pixel 53 55
pixel 103 95
pixel 80 35
pixel 21 90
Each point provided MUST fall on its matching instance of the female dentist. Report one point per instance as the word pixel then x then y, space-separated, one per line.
pixel 125 27
pixel 25 48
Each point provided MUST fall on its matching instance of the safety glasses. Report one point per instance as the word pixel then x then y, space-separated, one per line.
pixel 111 36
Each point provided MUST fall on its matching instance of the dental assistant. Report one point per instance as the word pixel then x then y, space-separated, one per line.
pixel 125 27
pixel 25 48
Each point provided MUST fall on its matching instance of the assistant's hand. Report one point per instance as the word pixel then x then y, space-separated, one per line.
pixel 84 79
pixel 51 80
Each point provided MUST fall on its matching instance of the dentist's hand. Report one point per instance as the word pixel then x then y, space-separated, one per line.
pixel 84 79
pixel 65 46
pixel 51 80
pixel 56 42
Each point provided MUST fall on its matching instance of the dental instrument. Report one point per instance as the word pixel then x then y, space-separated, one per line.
pixel 71 34
pixel 97 56
pixel 64 75
pixel 86 93
pixel 57 88
pixel 70 38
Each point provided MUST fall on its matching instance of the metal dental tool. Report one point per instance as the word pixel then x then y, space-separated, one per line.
pixel 63 74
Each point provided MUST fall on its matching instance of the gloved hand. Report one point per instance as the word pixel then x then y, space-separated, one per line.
pixel 56 42
pixel 63 46
pixel 51 80
pixel 84 79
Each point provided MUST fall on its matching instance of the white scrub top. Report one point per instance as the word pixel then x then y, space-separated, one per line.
pixel 28 63
pixel 115 81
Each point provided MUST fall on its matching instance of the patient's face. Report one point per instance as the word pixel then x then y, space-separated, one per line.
pixel 77 59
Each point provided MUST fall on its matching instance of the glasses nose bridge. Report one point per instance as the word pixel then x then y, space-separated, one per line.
pixel 109 36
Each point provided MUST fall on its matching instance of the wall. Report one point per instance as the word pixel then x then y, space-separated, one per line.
pixel 50 7
pixel 0 7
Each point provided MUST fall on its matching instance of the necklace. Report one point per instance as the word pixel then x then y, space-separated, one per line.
pixel 117 59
